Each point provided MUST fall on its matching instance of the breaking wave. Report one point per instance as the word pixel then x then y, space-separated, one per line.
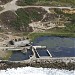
pixel 36 71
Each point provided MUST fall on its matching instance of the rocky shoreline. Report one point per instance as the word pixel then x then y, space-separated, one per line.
pixel 61 63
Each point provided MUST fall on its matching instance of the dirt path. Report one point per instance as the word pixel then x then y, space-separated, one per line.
pixel 6 37
pixel 9 6
pixel 12 6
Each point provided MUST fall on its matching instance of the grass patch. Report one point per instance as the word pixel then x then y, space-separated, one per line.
pixel 1 8
pixel 9 53
pixel 47 2
pixel 20 22
pixel 21 34
pixel 26 16
pixel 4 1
pixel 60 34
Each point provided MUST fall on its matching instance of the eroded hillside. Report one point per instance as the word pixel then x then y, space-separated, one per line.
pixel 36 18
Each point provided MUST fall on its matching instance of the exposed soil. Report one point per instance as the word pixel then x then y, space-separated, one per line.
pixel 4 1
pixel 18 18
pixel 9 17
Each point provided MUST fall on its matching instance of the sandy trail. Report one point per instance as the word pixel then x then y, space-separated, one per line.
pixel 13 7
pixel 10 6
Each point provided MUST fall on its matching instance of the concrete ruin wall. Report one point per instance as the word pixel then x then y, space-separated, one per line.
pixel 60 63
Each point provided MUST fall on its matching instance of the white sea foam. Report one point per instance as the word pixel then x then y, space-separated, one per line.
pixel 36 71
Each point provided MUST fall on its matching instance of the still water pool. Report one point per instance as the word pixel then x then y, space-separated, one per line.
pixel 18 55
pixel 57 46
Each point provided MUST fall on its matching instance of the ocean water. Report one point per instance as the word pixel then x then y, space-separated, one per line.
pixel 36 71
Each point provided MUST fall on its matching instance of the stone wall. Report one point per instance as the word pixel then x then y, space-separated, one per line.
pixel 60 63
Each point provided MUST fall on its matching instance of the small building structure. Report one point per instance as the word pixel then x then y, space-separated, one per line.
pixel 21 43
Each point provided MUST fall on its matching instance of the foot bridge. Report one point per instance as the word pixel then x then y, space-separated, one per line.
pixel 14 48
pixel 41 51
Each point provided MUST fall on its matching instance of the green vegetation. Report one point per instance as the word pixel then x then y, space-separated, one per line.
pixel 21 34
pixel 9 53
pixel 4 1
pixel 20 22
pixel 47 2
pixel 26 16
pixel 32 36
pixel 1 8
pixel 70 26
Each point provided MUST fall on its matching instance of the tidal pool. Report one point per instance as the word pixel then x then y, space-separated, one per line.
pixel 19 56
pixel 57 46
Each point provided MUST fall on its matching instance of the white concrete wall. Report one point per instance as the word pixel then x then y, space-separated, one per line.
pixel 21 43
